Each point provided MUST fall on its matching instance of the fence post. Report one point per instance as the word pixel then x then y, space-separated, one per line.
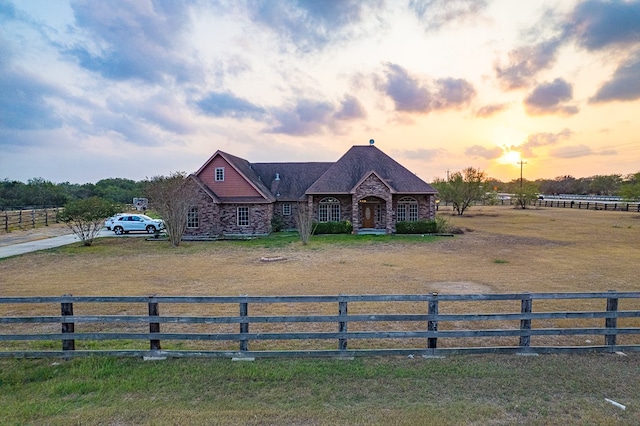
pixel 6 221
pixel 432 325
pixel 33 218
pixel 342 324
pixel 244 325
pixel 46 217
pixel 66 309
pixel 525 324
pixel 612 306
pixel 154 327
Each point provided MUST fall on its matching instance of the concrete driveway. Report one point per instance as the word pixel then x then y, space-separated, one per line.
pixel 47 243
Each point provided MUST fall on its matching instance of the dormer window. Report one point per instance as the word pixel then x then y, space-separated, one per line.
pixel 219 174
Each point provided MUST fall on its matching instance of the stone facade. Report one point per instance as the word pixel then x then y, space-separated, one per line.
pixel 259 219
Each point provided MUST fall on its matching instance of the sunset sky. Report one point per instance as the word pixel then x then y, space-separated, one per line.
pixel 138 88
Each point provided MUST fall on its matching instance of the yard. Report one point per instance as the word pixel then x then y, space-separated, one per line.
pixel 502 250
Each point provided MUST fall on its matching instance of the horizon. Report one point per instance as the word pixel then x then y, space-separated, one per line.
pixel 136 89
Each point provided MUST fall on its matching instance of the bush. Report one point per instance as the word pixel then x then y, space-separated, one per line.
pixel 277 223
pixel 417 227
pixel 332 227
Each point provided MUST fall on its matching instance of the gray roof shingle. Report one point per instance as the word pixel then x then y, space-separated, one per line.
pixel 358 163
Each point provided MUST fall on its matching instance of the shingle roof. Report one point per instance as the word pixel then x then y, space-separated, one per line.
pixel 245 168
pixel 297 179
pixel 358 163
pixel 294 178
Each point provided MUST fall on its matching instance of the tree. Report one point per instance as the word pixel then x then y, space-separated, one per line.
pixel 172 196
pixel 525 192
pixel 304 222
pixel 462 188
pixel 630 189
pixel 86 217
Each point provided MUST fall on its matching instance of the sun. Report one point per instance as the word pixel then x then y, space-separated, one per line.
pixel 510 157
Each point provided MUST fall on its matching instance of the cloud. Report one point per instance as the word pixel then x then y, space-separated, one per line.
pixel 578 151
pixel 437 13
pixel 420 154
pixel 304 118
pixel 599 24
pixel 624 85
pixel 487 153
pixel 412 95
pixel 525 62
pixel 490 110
pixel 307 116
pixel 593 25
pixel 350 109
pixel 543 139
pixel 536 140
pixel 225 104
pixel 133 39
pixel 550 98
pixel 309 24
pixel 24 102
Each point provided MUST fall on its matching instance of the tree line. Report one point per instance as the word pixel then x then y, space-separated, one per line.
pixel 463 188
pixel 39 193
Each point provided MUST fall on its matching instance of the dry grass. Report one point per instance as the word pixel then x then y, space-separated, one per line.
pixel 503 250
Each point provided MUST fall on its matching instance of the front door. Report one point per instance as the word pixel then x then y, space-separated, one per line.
pixel 368 216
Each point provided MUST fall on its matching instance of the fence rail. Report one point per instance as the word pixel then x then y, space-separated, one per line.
pixel 429 324
pixel 590 205
pixel 29 218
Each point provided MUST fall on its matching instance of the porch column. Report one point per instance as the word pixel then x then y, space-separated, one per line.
pixel 355 214
pixel 391 220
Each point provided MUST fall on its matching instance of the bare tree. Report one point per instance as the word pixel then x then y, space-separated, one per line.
pixel 304 222
pixel 172 196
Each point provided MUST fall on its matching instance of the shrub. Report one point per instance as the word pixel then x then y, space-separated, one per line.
pixel 343 227
pixel 277 223
pixel 417 227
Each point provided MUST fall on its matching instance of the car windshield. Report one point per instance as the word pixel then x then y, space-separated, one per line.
pixel 144 216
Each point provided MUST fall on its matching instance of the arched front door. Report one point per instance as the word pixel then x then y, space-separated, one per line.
pixel 369 215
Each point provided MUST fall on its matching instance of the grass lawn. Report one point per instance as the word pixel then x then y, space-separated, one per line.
pixel 502 250
pixel 452 391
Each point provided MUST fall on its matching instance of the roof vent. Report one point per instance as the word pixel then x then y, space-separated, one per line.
pixel 277 176
pixel 371 141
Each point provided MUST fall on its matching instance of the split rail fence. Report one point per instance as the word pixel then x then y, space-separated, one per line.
pixel 29 218
pixel 427 325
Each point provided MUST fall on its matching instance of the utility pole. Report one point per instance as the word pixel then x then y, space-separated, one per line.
pixel 521 164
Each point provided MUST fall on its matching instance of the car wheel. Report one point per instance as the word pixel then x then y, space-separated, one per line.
pixel 118 230
pixel 151 229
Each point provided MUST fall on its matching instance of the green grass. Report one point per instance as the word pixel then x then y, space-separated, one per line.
pixel 456 390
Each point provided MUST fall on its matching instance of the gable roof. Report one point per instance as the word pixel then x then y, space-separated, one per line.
pixel 358 163
pixel 243 167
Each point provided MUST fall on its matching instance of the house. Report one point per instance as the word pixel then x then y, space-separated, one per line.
pixel 365 187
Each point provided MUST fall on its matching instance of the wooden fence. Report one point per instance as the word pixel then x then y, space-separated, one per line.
pixel 31 218
pixel 590 205
pixel 415 325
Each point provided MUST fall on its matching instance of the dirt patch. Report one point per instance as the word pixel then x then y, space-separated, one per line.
pixel 33 234
pixel 460 287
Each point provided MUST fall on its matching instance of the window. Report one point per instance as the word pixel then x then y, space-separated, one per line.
pixel 243 216
pixel 219 174
pixel 329 210
pixel 286 209
pixel 193 220
pixel 407 210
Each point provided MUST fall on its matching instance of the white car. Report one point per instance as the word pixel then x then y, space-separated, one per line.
pixel 109 222
pixel 136 222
